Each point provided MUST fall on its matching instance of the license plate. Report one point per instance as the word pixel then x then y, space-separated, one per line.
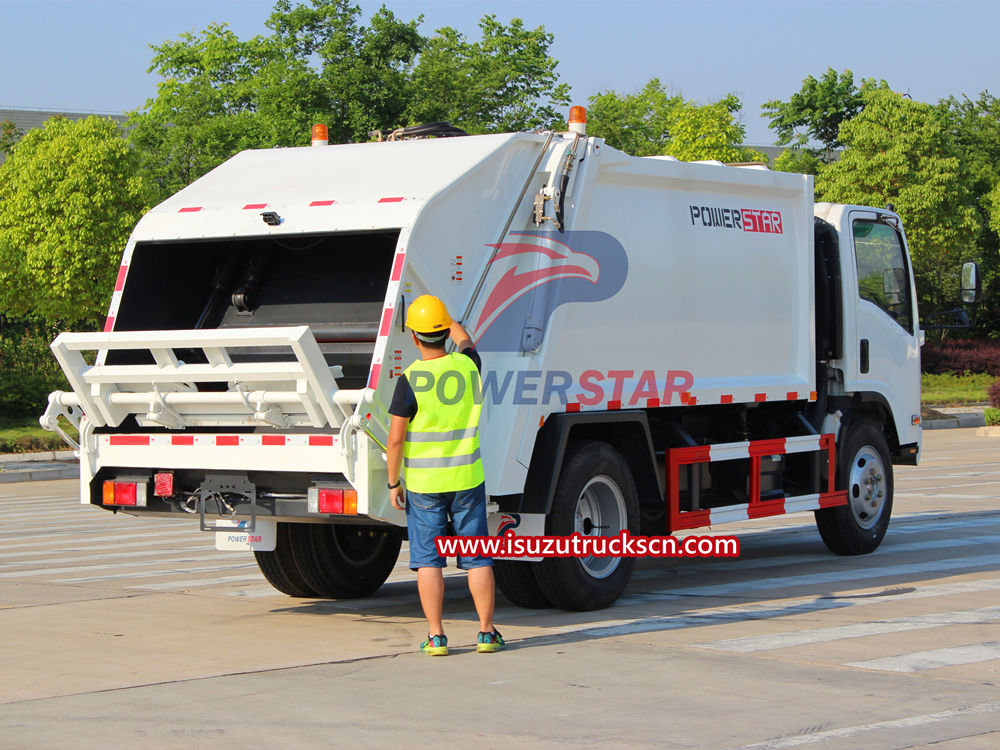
pixel 262 539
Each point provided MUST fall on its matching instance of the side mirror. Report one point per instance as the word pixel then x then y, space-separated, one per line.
pixel 893 280
pixel 972 283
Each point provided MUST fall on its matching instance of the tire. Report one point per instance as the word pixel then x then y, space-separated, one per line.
pixel 596 489
pixel 865 471
pixel 345 561
pixel 517 582
pixel 279 566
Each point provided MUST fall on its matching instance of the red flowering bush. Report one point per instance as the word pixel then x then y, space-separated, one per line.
pixel 961 356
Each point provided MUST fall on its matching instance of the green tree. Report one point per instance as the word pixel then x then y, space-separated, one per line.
pixel 9 135
pixel 636 123
pixel 320 63
pixel 651 122
pixel 816 111
pixel 798 160
pixel 221 95
pixel 709 131
pixel 506 82
pixel 72 191
pixel 900 151
pixel 975 128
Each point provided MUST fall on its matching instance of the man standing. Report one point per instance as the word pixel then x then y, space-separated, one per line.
pixel 434 435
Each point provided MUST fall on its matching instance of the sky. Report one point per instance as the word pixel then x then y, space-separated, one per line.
pixel 94 54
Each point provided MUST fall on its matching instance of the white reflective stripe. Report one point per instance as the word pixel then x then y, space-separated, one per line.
pixel 441 463
pixel 441 437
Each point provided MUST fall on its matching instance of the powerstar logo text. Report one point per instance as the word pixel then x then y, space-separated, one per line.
pixel 533 273
pixel 744 219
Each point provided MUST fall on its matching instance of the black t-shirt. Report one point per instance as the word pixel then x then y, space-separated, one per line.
pixel 404 400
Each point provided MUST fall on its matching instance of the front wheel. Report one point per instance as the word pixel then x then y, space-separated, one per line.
pixel 596 496
pixel 865 471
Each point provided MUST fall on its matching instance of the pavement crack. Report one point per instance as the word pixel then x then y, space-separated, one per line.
pixel 187 680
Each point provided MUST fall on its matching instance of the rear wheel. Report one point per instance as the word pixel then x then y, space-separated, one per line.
pixel 517 582
pixel 279 566
pixel 596 496
pixel 865 471
pixel 344 561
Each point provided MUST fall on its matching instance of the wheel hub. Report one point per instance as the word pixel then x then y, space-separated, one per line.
pixel 866 489
pixel 600 511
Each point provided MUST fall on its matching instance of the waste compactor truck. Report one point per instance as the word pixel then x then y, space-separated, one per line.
pixel 666 346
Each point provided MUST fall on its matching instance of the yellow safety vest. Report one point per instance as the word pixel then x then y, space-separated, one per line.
pixel 441 453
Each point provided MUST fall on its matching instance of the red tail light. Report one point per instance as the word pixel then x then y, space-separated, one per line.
pixel 124 493
pixel 163 484
pixel 335 501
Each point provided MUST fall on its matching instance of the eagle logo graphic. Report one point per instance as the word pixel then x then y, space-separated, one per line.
pixel 533 273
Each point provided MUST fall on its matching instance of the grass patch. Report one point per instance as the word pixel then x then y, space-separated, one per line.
pixel 25 435
pixel 950 389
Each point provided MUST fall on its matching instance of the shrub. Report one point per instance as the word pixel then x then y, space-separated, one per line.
pixel 993 394
pixel 961 356
pixel 28 371
pixel 992 416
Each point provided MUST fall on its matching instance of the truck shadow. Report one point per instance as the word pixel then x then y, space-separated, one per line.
pixel 781 573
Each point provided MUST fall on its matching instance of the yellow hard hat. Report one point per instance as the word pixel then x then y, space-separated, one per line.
pixel 427 314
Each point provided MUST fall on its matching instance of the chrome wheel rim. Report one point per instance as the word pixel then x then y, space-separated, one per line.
pixel 867 487
pixel 600 511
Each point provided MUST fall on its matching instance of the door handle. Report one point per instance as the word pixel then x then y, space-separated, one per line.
pixel 864 355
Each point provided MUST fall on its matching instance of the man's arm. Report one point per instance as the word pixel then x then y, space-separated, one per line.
pixel 460 336
pixel 394 458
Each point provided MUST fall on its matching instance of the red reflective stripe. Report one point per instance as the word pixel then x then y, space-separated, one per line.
pixel 129 440
pixel 692 400
pixel 390 200
pixel 766 508
pixel 373 377
pixel 832 499
pixel 573 407
pixel 109 324
pixel 182 439
pixel 254 205
pixel 652 403
pixel 189 209
pixel 383 329
pixel 727 398
pixel 614 404
pixel 321 440
pixel 691 519
pixel 397 267
pixel 772 447
pixel 120 281
pixel 760 397
pixel 227 439
pixel 322 203
pixel 272 440
pixel 792 395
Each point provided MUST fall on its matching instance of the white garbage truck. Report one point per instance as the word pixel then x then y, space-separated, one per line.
pixel 665 346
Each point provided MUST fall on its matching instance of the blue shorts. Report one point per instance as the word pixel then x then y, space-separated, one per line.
pixel 427 517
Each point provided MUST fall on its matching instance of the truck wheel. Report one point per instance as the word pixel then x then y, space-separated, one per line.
pixel 596 496
pixel 345 561
pixel 865 471
pixel 279 566
pixel 517 582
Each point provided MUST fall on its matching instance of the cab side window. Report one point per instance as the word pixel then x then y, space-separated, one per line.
pixel 883 278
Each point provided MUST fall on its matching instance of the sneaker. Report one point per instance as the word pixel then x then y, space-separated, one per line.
pixel 435 645
pixel 489 642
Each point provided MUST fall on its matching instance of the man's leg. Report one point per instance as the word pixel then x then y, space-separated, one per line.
pixel 430 584
pixel 482 587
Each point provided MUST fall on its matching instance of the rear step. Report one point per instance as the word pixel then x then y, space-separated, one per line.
pixel 293 386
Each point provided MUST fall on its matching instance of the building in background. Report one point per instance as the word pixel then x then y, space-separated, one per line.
pixel 26 119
